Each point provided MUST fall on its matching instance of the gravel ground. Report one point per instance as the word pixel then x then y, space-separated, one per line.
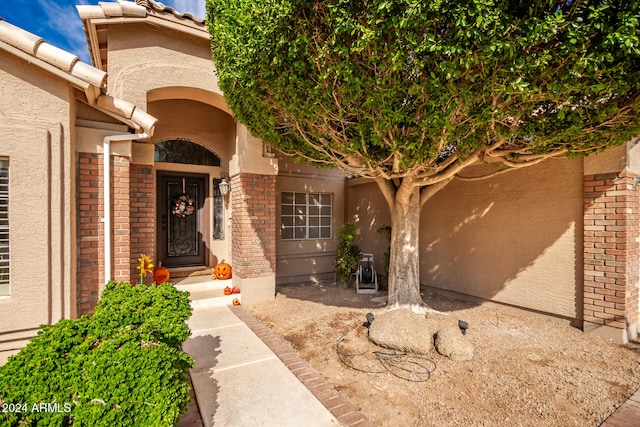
pixel 528 369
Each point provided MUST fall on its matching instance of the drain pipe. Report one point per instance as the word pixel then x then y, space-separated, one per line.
pixel 106 150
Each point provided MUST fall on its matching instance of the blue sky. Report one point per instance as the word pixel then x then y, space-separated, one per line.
pixel 58 23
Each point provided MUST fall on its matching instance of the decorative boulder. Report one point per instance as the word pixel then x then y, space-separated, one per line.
pixel 451 343
pixel 401 330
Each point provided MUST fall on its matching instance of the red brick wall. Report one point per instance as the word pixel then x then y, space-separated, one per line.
pixel 90 269
pixel 611 249
pixel 253 227
pixel 142 214
pixel 120 222
pixel 132 221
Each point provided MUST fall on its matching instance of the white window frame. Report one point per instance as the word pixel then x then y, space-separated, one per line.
pixel 306 216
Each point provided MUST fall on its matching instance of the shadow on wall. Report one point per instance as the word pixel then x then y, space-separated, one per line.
pixel 307 259
pixel 516 238
pixel 368 210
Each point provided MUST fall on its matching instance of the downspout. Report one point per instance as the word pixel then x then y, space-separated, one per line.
pixel 106 147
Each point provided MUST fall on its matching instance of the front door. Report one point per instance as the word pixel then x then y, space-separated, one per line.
pixel 181 219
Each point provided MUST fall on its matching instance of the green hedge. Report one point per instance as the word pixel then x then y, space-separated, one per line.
pixel 121 367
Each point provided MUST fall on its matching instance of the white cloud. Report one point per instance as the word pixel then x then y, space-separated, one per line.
pixel 63 22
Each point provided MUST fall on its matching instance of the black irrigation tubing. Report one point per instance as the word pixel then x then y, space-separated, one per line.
pixel 391 361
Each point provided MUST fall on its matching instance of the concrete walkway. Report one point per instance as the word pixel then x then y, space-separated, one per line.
pixel 245 375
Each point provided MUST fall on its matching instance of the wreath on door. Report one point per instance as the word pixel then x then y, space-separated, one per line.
pixel 182 205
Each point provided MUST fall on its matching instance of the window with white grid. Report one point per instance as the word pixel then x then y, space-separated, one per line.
pixel 4 226
pixel 305 216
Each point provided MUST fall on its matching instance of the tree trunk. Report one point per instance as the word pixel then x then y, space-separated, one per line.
pixel 404 265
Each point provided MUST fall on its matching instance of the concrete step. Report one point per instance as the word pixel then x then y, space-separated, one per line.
pixel 204 292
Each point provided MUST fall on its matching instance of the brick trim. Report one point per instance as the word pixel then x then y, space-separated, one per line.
pixel 345 411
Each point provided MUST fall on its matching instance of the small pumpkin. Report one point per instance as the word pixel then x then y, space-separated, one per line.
pixel 227 291
pixel 235 290
pixel 236 301
pixel 222 271
pixel 161 274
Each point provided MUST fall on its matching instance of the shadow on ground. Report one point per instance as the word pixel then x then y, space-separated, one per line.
pixel 340 294
pixel 205 350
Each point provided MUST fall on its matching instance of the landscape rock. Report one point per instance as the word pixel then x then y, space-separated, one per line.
pixel 451 343
pixel 401 330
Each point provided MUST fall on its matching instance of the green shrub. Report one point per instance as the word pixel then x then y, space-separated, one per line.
pixel 347 254
pixel 121 367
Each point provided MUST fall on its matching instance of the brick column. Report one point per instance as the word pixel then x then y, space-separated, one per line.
pixel 120 219
pixel 132 224
pixel 142 216
pixel 611 255
pixel 90 246
pixel 253 229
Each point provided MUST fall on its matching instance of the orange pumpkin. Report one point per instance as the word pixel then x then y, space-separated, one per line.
pixel 236 301
pixel 227 291
pixel 222 271
pixel 160 274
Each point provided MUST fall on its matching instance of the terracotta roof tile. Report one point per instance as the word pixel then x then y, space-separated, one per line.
pixel 130 9
pixel 19 38
pixel 70 65
pixel 160 7
pixel 61 59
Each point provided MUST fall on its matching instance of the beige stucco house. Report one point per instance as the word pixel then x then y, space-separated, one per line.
pixel 561 238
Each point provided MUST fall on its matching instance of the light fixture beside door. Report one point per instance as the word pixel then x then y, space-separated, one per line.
pixel 224 186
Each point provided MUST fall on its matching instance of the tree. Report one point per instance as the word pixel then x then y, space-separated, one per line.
pixel 411 93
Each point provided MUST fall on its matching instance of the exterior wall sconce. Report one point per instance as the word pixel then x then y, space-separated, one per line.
pixel 225 185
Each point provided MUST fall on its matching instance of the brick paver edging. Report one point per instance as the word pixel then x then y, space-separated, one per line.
pixel 346 413
pixel 628 414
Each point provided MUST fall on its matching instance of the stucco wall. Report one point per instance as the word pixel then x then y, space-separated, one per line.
pixel 201 123
pixel 516 238
pixel 143 57
pixel 35 136
pixel 301 260
pixel 368 210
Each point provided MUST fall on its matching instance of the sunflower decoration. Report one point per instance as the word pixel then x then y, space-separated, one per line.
pixel 145 266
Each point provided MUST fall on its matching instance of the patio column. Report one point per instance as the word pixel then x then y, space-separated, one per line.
pixel 253 224
pixel 90 268
pixel 121 224
pixel 142 216
pixel 611 251
pixel 253 230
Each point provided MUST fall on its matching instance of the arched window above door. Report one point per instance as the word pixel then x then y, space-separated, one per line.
pixel 185 152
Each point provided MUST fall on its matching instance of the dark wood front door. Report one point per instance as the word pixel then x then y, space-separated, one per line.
pixel 181 219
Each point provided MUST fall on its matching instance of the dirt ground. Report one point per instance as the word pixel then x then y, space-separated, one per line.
pixel 528 369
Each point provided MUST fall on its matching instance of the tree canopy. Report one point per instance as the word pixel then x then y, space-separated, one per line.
pixel 392 88
pixel 412 92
